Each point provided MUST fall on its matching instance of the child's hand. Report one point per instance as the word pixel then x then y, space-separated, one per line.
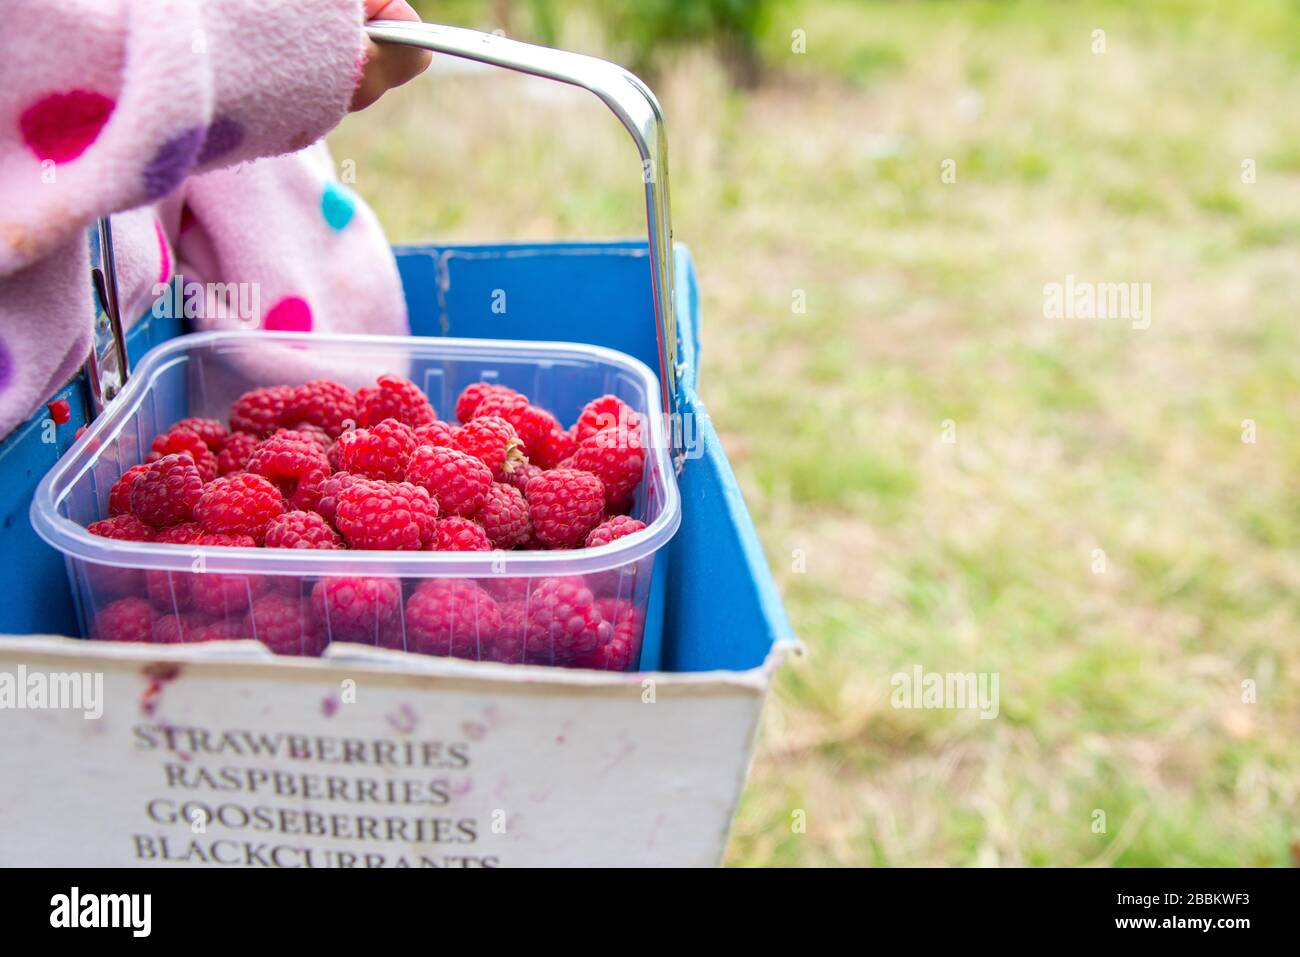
pixel 387 64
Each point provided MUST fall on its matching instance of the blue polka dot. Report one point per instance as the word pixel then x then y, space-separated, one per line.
pixel 337 205
pixel 172 163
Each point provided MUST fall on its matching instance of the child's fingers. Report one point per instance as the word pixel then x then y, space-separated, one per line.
pixel 390 10
pixel 388 65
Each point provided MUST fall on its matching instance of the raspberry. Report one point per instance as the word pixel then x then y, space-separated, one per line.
pixel 177 629
pixel 378 452
pixel 606 412
pixel 119 497
pixel 504 516
pixel 435 433
pixel 564 622
pixel 128 619
pixel 239 505
pixel 492 440
pixel 392 634
pixel 451 616
pixel 185 533
pixel 393 398
pixel 459 535
pixel 534 425
pixel 507 588
pixel 611 529
pixel 219 630
pixel 110 580
pixel 168 591
pixel 565 504
pixel 534 544
pixel 124 528
pixel 305 496
pixel 305 430
pixel 287 457
pixel 383 515
pixel 278 621
pixel 619 652
pixel 171 590
pixel 522 474
pixel 621 579
pixel 212 432
pixel 508 646
pixel 328 492
pixel 502 402
pixel 181 441
pixel 357 609
pixel 475 393
pixel 322 403
pixel 234 455
pixel 259 411
pixel 225 540
pixel 616 458
pixel 301 530
pixel 223 594
pixel 167 493
pixel 553 448
pixel 458 481
pixel 531 423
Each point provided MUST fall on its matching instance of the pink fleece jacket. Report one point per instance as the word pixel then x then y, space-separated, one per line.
pixel 177 115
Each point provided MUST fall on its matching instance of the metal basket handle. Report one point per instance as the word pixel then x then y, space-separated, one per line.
pixel 106 373
pixel 638 110
pixel 629 99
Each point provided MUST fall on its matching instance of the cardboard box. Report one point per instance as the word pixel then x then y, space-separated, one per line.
pixel 224 756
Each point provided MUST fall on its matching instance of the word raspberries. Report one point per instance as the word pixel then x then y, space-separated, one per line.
pixel 320 466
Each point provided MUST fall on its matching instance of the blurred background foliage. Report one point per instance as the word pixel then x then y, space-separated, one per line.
pixel 640 32
pixel 815 167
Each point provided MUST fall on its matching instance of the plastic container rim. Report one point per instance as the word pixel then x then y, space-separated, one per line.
pixel 74 541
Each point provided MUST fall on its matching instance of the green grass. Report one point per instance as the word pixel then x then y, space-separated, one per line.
pixel 1121 690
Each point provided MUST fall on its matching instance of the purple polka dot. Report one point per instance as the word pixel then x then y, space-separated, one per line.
pixel 224 134
pixel 6 365
pixel 172 163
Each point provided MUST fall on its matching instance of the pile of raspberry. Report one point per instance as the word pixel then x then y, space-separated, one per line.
pixel 319 466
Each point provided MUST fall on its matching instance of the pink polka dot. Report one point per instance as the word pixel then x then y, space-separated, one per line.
pixel 164 253
pixel 61 126
pixel 290 314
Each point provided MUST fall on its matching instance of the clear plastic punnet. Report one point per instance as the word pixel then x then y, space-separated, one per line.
pixel 492 606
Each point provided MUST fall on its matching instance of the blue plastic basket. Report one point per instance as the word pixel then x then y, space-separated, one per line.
pixel 722 610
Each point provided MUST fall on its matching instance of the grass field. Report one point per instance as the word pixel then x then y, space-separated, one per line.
pixel 1073 504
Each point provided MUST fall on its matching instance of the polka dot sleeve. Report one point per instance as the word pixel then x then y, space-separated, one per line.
pixel 106 105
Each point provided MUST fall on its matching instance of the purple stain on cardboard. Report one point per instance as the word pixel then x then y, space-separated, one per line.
pixel 403 720
pixel 159 674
